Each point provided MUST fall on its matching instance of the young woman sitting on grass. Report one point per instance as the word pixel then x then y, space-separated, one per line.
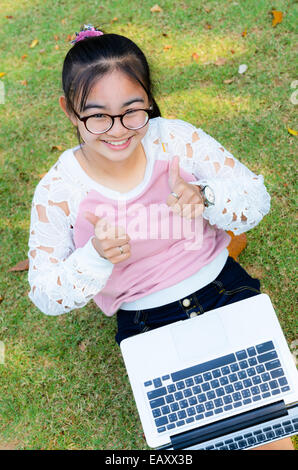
pixel 95 224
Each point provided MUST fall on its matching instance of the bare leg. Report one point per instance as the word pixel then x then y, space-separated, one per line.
pixel 282 444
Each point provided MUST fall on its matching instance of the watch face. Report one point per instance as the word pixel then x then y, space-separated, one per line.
pixel 209 194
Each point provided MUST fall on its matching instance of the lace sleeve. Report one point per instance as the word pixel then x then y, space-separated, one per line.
pixel 61 277
pixel 241 199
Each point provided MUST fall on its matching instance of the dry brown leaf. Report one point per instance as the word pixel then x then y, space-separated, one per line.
pixel 208 26
pixel 82 346
pixel 56 37
pixel 21 266
pixel 24 56
pixel 9 17
pixel 277 17
pixel 24 82
pixel 166 48
pixel 237 244
pixel 114 19
pixel 1 298
pixel 156 9
pixel 229 80
pixel 56 47
pixel 244 33
pixel 56 147
pixel 220 61
pixel 194 56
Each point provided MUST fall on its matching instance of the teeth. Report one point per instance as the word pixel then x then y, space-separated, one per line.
pixel 121 142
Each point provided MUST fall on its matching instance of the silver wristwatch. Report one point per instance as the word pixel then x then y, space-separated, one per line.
pixel 208 195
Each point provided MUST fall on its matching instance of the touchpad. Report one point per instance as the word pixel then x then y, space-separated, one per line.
pixel 196 337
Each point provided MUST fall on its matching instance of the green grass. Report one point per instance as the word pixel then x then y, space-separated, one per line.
pixel 54 393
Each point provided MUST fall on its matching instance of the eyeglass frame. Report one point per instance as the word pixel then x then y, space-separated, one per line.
pixel 121 116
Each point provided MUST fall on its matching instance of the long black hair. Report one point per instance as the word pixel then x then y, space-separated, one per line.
pixel 93 57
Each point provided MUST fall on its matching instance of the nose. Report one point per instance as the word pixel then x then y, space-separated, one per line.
pixel 117 130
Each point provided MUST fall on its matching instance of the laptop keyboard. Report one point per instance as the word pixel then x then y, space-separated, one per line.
pixel 215 387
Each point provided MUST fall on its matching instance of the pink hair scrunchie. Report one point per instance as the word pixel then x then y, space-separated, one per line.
pixel 87 32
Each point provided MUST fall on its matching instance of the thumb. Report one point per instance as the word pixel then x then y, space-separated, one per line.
pixel 174 172
pixel 92 218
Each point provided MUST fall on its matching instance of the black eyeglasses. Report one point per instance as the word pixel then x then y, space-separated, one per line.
pixel 100 123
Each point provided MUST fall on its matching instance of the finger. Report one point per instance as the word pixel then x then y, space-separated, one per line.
pixel 92 218
pixel 174 172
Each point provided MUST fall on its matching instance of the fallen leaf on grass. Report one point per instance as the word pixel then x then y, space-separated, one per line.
pixel 166 48
pixel 244 33
pixel 24 82
pixel 56 147
pixel 242 68
pixel 24 56
pixel 21 266
pixel 156 9
pixel 237 244
pixel 1 298
pixel 277 17
pixel 220 61
pixel 292 131
pixel 229 80
pixel 34 43
pixel 207 26
pixel 2 74
pixel 194 56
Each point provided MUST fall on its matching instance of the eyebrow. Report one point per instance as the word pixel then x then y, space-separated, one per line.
pixel 127 103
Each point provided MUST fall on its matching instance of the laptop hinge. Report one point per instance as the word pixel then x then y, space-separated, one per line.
pixel 228 425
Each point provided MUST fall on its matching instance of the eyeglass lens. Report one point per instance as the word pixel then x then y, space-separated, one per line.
pixel 132 120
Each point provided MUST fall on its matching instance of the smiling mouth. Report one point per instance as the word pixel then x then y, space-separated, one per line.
pixel 117 142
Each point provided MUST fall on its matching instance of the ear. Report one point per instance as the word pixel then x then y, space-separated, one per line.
pixel 62 102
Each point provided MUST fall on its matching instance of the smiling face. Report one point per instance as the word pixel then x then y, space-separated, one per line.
pixel 115 93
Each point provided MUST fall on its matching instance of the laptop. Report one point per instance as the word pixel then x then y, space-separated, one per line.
pixel 223 380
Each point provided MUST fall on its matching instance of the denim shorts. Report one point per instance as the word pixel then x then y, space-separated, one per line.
pixel 231 285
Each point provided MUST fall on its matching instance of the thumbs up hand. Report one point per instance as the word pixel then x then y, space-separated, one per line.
pixel 185 199
pixel 111 242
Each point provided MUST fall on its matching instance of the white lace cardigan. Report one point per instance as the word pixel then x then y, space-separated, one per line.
pixel 63 278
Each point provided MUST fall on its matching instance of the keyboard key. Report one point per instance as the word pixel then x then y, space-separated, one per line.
pixel 207 376
pixel 272 365
pixel 200 408
pixel 209 413
pixel 218 410
pixel 156 412
pixel 180 423
pixel 181 414
pixel 178 395
pixel 242 375
pixel 251 371
pixel 236 396
pixel 227 399
pixel 165 377
pixel 187 392
pixel 174 406
pixel 170 426
pixel 165 410
pixel 252 361
pixel 256 380
pixel 216 373
pixel 260 368
pixel 148 383
pixel 277 373
pixel 225 370
pixel 282 381
pixel 161 429
pixel 170 398
pixel 251 351
pixel 261 437
pixel 198 379
pixel 218 402
pixel 233 377
pixel 211 395
pixel 242 443
pixel 173 417
pixel 265 377
pixel 241 355
pixel 171 388
pixel 183 404
pixel 219 392
pixel 161 421
pixel 189 382
pixel 256 398
pixel 264 347
pixel 269 356
pixel 196 389
pixel 234 367
pixel 190 420
pixel 159 392
pixel 157 382
pixel 233 446
pixel 206 366
pixel 238 386
pixel 255 390
pixel 206 386
pixel 243 365
pixel 202 398
pixel 192 401
pixel 229 389
pixel 191 411
pixel 209 405
pixel 180 385
pixel 224 380
pixel 273 384
pixel 200 416
pixel 251 441
pixel 157 403
pixel 214 383
pixel 247 383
